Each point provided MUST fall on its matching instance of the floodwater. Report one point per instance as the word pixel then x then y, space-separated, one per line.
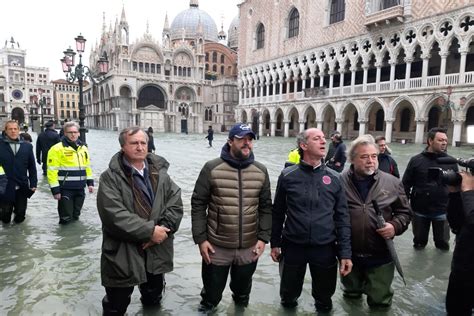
pixel 48 269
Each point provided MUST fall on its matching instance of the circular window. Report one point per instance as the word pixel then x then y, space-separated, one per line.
pixel 17 94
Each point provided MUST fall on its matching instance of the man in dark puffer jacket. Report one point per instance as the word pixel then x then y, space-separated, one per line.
pixel 231 218
pixel 429 200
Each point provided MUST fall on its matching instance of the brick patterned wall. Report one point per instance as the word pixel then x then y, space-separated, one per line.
pixel 314 28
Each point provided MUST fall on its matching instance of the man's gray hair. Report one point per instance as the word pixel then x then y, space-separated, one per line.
pixel 301 138
pixel 129 131
pixel 68 125
pixel 362 140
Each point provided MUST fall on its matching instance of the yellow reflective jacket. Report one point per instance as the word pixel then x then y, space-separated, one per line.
pixel 3 181
pixel 68 168
pixel 293 158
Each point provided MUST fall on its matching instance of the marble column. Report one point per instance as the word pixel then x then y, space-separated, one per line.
pixel 286 128
pixel 388 130
pixel 362 127
pixel 301 126
pixel 462 65
pixel 272 128
pixel 424 70
pixel 319 125
pixel 442 70
pixel 420 131
pixel 339 125
pixel 457 131
pixel 408 61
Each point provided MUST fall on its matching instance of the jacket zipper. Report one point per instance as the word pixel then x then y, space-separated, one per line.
pixel 240 209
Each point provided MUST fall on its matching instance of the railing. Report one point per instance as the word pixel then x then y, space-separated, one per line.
pixel 469 77
pixel 415 83
pixel 451 79
pixel 432 81
pixel 371 87
pixel 385 86
pixel 399 84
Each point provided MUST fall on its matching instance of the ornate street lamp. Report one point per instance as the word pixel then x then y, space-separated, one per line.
pixel 81 72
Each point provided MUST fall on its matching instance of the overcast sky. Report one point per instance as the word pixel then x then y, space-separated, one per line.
pixel 45 28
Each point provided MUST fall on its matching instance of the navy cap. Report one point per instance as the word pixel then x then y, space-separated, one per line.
pixel 239 130
pixel 49 124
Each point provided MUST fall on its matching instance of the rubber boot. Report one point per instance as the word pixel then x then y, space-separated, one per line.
pixel 292 278
pixel 323 286
pixel 214 279
pixel 441 235
pixel 152 290
pixel 6 213
pixel 241 282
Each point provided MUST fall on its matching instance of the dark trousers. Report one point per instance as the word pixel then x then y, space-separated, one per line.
pixel 70 205
pixel 117 299
pixel 44 165
pixel 18 207
pixel 323 267
pixel 421 230
pixel 214 279
pixel 460 295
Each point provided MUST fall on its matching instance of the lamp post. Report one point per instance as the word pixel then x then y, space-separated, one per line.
pixel 79 73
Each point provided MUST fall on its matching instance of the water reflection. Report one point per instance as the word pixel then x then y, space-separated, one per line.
pixel 46 268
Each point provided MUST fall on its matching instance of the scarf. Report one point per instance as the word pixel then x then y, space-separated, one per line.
pixel 141 186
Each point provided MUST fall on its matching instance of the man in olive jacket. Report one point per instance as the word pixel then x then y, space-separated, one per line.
pixel 373 270
pixel 231 218
pixel 140 208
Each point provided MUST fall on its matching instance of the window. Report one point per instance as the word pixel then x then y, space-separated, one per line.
pixel 385 4
pixel 338 9
pixel 214 57
pixel 294 23
pixel 222 59
pixel 260 36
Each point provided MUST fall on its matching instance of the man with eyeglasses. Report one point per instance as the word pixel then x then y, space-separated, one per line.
pixel 69 172
pixel 373 270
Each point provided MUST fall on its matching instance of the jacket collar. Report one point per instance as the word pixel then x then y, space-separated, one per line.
pixel 235 163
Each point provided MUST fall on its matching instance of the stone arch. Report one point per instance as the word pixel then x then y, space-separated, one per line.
pixel 328 116
pixel 366 109
pixel 469 122
pixel 392 109
pixel 151 95
pixel 293 118
pixel 243 116
pixel 266 121
pixel 279 118
pixel 308 116
pixel 350 126
pixel 185 93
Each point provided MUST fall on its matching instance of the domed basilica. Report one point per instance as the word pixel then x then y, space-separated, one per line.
pixel 183 84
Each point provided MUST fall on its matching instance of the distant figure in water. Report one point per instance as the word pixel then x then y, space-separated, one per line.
pixel 210 135
pixel 151 142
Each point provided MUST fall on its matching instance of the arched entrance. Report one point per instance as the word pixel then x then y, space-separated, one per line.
pixel 151 95
pixel 18 115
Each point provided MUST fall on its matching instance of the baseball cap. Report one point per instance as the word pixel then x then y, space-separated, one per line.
pixel 49 124
pixel 239 130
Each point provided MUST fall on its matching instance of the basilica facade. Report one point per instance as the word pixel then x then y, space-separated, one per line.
pixel 184 83
pixel 385 67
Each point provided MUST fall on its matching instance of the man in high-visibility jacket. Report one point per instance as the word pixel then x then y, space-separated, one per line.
pixel 69 172
pixel 3 181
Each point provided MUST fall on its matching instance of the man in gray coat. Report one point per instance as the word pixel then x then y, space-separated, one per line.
pixel 140 208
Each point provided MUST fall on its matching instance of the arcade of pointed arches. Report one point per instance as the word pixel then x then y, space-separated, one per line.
pixel 401 119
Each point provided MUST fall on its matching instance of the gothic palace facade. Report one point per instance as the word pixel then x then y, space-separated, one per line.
pixel 384 67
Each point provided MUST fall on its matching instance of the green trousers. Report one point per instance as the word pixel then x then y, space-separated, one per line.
pixel 374 282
